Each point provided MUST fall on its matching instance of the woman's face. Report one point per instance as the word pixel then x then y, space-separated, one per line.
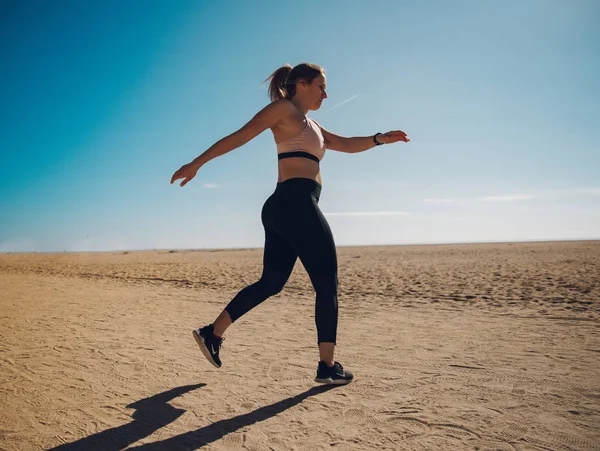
pixel 316 92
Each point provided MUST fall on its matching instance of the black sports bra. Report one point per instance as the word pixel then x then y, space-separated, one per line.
pixel 300 154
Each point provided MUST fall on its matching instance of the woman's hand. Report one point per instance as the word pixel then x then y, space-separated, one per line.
pixel 186 172
pixel 392 137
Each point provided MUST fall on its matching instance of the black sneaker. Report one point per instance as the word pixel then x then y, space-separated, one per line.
pixel 209 344
pixel 335 375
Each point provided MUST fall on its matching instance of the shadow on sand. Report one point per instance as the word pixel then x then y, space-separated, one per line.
pixel 154 412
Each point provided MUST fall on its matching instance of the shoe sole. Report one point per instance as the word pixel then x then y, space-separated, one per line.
pixel 203 348
pixel 330 381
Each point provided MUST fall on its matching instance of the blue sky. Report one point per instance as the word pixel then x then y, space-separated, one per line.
pixel 103 101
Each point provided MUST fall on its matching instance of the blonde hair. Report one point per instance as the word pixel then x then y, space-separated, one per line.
pixel 284 79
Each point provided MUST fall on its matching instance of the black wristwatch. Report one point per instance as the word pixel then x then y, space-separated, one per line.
pixel 377 143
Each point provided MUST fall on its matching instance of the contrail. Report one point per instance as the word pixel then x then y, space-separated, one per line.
pixel 340 104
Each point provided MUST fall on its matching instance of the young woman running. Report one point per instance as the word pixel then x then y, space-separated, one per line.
pixel 294 225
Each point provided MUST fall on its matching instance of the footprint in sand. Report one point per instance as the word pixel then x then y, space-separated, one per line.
pixel 512 432
pixel 560 441
pixel 356 416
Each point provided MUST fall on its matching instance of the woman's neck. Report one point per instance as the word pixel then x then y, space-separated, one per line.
pixel 303 109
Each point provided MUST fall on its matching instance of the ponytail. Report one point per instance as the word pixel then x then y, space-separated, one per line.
pixel 283 80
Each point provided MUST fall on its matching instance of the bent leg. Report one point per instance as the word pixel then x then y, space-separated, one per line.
pixel 278 262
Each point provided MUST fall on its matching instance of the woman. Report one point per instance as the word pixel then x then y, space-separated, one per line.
pixel 294 225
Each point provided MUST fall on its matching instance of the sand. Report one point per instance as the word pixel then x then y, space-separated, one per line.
pixel 487 346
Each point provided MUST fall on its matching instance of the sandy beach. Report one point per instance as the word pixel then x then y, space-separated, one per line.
pixel 474 347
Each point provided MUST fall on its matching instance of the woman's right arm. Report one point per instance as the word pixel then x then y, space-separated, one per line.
pixel 268 117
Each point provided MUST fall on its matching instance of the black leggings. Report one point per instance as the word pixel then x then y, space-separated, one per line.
pixel 295 227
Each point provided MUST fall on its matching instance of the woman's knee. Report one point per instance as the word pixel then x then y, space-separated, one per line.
pixel 327 301
pixel 273 283
pixel 325 284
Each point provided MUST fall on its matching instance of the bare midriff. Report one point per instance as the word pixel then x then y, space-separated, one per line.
pixel 290 168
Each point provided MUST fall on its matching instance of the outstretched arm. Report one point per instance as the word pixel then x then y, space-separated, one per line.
pixel 268 117
pixel 360 143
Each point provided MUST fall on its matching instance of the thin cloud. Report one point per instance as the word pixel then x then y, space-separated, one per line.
pixel 369 213
pixel 341 103
pixel 516 198
pixel 210 186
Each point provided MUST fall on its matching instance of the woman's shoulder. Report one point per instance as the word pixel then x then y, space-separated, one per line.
pixel 280 109
pixel 284 106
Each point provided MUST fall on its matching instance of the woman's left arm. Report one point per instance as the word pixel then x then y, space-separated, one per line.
pixel 360 143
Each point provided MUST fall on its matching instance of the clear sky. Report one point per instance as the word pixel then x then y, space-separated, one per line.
pixel 102 101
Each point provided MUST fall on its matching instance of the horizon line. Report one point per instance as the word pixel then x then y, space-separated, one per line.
pixel 211 249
